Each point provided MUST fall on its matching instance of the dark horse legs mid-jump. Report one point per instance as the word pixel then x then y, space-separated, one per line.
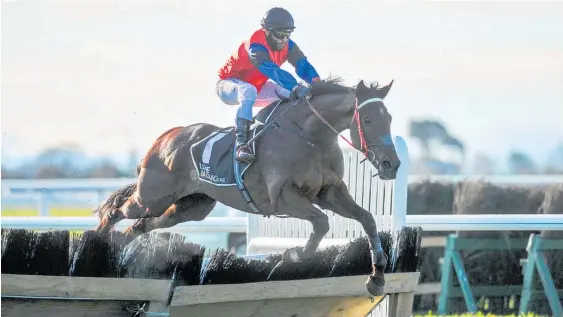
pixel 298 163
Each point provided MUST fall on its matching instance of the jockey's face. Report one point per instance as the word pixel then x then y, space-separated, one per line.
pixel 277 39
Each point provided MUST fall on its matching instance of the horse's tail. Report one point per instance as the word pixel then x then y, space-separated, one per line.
pixel 115 200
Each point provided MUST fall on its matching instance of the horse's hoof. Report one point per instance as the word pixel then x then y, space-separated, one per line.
pixel 375 284
pixel 293 255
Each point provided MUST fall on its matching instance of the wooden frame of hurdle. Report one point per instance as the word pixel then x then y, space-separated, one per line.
pixel 33 295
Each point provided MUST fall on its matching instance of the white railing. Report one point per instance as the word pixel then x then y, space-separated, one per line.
pixel 448 223
pixel 100 186
pixel 494 222
pixel 40 192
pixel 502 222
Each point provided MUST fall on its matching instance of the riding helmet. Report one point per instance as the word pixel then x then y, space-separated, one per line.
pixel 278 19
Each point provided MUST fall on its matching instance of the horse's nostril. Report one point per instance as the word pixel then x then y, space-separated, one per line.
pixel 386 164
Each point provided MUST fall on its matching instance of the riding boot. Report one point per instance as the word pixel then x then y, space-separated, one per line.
pixel 243 150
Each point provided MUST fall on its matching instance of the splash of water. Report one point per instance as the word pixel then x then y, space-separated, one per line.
pixel 74 254
pixel 394 249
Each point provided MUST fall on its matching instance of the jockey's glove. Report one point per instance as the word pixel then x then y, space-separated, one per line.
pixel 301 90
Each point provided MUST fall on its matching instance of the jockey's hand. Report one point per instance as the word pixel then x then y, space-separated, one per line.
pixel 301 90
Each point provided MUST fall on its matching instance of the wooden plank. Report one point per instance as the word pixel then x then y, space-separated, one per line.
pixel 401 304
pixel 322 287
pixel 353 306
pixel 62 308
pixel 428 288
pixel 94 288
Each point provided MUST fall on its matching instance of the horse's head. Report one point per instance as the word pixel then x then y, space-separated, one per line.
pixel 370 130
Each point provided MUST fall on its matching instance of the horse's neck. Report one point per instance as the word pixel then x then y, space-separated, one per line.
pixel 337 110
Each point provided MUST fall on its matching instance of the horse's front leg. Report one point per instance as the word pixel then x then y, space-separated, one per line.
pixel 291 203
pixel 337 199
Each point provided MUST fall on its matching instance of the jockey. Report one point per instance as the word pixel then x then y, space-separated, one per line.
pixel 244 77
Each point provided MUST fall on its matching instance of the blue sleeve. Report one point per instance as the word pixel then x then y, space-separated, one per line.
pixel 305 70
pixel 303 67
pixel 260 58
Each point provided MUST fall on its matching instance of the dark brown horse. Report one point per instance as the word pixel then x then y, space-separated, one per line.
pixel 298 163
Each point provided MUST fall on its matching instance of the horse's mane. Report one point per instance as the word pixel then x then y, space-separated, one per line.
pixel 330 85
pixel 333 85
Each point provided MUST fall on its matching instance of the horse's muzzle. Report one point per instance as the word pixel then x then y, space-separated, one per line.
pixel 388 169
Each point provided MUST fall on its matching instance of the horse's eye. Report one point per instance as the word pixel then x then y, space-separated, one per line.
pixel 366 119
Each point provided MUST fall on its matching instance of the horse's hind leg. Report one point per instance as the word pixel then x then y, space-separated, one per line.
pixel 131 209
pixel 338 199
pixel 155 191
pixel 108 212
pixel 194 207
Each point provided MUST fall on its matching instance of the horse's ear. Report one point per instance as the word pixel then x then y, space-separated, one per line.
pixel 385 90
pixel 361 87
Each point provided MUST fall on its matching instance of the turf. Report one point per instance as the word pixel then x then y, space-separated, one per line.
pixel 53 212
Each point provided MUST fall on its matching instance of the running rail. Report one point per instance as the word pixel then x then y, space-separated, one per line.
pixel 504 222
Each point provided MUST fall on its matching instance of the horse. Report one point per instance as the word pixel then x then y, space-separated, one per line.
pixel 299 163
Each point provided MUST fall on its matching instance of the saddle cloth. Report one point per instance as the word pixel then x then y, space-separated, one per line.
pixel 213 156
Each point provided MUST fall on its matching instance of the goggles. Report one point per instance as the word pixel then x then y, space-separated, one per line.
pixel 281 35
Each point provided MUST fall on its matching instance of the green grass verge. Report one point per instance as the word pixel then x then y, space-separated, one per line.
pixel 54 212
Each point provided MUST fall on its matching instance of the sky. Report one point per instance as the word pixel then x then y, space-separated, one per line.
pixel 125 71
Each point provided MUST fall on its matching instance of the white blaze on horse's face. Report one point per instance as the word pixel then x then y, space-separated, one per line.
pixel 371 130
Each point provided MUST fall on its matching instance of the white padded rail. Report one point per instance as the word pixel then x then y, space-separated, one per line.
pixel 386 200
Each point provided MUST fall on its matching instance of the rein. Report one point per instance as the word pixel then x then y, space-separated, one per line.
pixel 363 143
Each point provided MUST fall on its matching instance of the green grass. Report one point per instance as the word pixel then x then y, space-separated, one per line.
pixel 54 212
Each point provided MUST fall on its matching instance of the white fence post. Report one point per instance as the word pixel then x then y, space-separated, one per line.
pixel 252 229
pixel 401 185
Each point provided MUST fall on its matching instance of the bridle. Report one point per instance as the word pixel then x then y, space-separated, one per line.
pixel 364 146
pixel 363 143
